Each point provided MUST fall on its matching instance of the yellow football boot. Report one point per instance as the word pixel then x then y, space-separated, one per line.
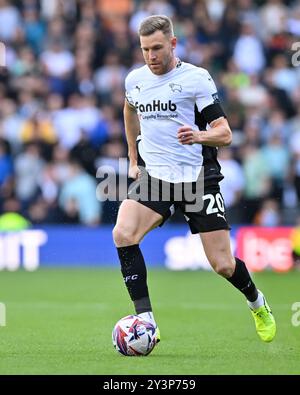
pixel 264 322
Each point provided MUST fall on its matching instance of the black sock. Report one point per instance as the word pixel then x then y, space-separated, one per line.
pixel 242 281
pixel 142 305
pixel 134 273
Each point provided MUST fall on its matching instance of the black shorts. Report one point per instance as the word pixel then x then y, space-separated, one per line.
pixel 203 213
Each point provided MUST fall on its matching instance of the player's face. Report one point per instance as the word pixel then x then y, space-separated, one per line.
pixel 158 52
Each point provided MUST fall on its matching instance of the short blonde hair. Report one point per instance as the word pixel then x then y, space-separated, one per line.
pixel 156 22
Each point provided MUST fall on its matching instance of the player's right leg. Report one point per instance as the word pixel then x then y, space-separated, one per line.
pixel 134 221
pixel 212 225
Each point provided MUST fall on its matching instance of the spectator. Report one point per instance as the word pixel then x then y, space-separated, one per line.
pixel 11 124
pixel 58 64
pixel 233 184
pixel 276 157
pixel 6 163
pixel 78 196
pixel 10 22
pixel 248 51
pixel 273 18
pixel 28 168
pixel 34 29
pixel 11 220
pixel 66 61
pixel 110 76
pixel 268 214
pixel 257 180
pixel 295 150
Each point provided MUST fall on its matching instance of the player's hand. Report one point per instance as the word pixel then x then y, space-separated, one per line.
pixel 134 171
pixel 186 135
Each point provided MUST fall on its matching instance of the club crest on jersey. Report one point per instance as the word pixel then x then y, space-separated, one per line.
pixel 156 105
pixel 175 87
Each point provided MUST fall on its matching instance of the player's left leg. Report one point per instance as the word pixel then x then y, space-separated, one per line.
pixel 217 248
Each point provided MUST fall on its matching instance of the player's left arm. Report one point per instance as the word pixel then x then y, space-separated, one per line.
pixel 210 111
pixel 218 135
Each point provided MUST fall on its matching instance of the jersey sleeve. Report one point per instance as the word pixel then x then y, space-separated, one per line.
pixel 207 99
pixel 128 89
pixel 206 91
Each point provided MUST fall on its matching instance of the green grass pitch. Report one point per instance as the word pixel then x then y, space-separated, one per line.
pixel 59 321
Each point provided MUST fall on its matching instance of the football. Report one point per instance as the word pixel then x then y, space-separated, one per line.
pixel 133 336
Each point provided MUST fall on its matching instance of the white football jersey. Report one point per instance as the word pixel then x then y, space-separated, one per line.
pixel 163 104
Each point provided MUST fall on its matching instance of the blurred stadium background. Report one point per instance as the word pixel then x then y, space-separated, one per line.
pixel 62 96
pixel 61 104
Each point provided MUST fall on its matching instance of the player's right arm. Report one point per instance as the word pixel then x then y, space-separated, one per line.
pixel 132 130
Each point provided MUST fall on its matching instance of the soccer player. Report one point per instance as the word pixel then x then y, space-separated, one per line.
pixel 172 110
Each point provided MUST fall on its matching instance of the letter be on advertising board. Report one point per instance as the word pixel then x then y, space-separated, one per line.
pixel 265 248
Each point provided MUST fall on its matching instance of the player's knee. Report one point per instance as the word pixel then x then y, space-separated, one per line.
pixel 224 267
pixel 124 236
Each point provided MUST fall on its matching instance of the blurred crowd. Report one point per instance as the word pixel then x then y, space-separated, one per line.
pixel 62 95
